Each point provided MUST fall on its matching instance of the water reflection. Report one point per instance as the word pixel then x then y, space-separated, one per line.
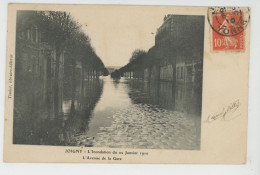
pixel 167 95
pixel 109 112
pixel 160 115
pixel 58 120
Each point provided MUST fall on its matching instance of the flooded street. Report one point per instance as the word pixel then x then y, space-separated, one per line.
pixel 65 94
pixel 123 113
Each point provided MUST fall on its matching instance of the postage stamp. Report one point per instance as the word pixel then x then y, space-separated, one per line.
pixel 228 24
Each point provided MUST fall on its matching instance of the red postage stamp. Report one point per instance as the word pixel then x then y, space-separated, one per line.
pixel 228 26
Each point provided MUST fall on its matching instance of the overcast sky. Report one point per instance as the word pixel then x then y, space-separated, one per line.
pixel 115 34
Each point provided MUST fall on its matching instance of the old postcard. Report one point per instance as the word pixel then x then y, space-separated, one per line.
pixel 126 84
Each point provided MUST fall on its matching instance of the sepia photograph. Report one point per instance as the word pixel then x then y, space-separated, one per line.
pixel 126 84
pixel 147 96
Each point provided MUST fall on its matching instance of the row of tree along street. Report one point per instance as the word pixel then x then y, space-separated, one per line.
pixel 52 51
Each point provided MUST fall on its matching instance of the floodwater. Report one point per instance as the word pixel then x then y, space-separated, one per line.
pixel 116 113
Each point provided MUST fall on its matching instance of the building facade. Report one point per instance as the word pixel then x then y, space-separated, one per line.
pixel 180 45
pixel 177 55
pixel 38 70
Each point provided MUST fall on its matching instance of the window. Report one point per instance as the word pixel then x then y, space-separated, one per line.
pixel 178 73
pixel 29 64
pixel 36 64
pixel 181 72
pixel 28 34
pixel 36 35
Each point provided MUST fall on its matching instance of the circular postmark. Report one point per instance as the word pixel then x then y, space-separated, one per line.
pixel 228 21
